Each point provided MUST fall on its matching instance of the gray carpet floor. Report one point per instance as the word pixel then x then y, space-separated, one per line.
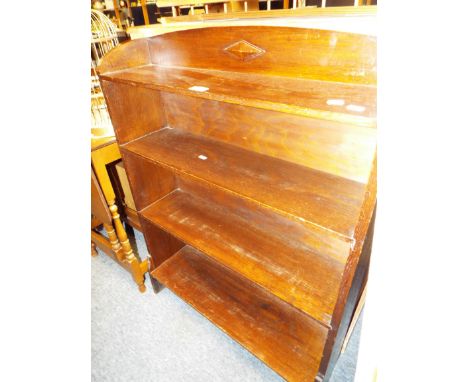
pixel 159 338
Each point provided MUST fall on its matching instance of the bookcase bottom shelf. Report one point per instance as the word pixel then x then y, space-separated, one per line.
pixel 286 339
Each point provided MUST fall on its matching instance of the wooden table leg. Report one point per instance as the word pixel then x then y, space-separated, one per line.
pixel 130 258
pixel 114 240
pixel 117 236
pixel 145 12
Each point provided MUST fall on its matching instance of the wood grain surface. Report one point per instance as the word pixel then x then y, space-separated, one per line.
pixel 250 151
pixel 296 263
pixel 334 147
pixel 148 181
pixel 285 338
pixel 293 52
pixel 135 111
pixel 325 200
pixel 328 100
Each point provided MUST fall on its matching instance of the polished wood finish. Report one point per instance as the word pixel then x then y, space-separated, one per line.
pixel 251 154
pixel 324 55
pixel 265 325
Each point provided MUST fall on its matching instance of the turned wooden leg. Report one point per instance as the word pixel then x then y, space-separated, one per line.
pixel 93 249
pixel 114 240
pixel 130 258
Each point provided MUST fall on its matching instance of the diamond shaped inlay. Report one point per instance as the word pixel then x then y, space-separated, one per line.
pixel 244 50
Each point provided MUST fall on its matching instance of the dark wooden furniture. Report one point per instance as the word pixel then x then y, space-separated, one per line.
pixel 251 154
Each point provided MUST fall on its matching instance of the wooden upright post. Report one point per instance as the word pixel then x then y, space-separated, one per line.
pixel 116 247
pixel 129 8
pixel 130 258
pixel 117 13
pixel 145 12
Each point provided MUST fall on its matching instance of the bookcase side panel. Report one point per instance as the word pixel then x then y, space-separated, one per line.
pixel 135 111
pixel 148 181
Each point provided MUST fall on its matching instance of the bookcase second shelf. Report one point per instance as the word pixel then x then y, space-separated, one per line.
pixel 325 200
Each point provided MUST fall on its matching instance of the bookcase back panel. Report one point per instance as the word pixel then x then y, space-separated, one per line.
pixel 327 243
pixel 295 52
pixel 339 149
pixel 135 111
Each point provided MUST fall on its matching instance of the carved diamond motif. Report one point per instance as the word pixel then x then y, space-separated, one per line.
pixel 244 50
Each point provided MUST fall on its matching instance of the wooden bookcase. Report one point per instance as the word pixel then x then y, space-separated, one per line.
pixel 251 154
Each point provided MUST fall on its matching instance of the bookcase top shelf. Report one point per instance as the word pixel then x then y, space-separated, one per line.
pixel 316 73
pixel 313 98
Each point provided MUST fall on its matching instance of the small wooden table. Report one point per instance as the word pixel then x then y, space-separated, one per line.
pixel 103 152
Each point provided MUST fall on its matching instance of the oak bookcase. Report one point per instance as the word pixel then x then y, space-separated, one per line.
pixel 251 155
